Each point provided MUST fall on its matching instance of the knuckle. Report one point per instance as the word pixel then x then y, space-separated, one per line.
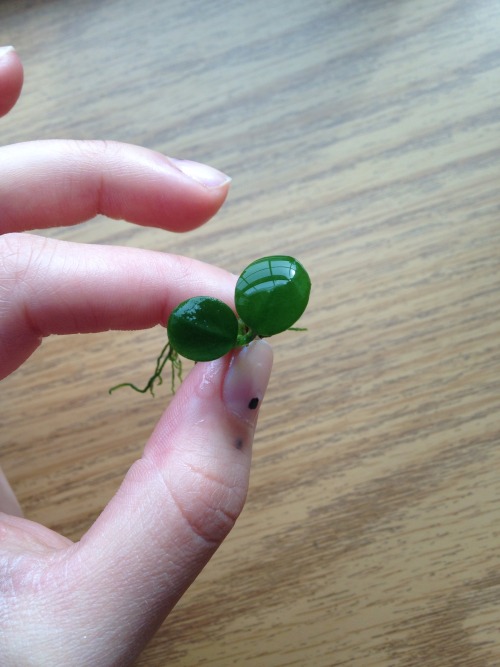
pixel 99 157
pixel 19 262
pixel 209 505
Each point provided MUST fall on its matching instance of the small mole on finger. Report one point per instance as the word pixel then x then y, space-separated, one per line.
pixel 238 443
pixel 254 402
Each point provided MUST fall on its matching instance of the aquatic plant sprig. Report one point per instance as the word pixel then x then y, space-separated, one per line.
pixel 271 294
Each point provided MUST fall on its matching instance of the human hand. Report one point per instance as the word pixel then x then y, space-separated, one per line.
pixel 99 601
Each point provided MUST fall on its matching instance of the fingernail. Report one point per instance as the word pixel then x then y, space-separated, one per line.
pixel 246 380
pixel 4 50
pixel 201 173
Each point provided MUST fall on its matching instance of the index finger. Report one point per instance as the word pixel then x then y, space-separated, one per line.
pixel 64 182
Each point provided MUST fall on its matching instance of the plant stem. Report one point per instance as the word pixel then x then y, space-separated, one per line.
pixel 245 334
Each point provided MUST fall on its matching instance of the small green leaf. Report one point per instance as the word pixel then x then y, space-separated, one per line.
pixel 202 328
pixel 272 293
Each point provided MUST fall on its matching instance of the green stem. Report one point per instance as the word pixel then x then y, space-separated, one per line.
pixel 245 334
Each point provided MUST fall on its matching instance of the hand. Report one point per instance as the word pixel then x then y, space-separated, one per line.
pixel 98 601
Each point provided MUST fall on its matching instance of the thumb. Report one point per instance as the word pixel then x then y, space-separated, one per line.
pixel 177 503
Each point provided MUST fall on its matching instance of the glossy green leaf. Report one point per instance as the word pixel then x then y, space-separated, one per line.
pixel 202 328
pixel 272 293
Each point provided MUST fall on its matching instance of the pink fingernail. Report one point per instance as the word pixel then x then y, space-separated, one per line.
pixel 246 380
pixel 201 173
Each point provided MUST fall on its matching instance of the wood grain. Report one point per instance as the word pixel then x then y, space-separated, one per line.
pixel 364 138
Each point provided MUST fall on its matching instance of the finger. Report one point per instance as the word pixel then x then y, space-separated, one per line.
pixel 11 78
pixel 55 287
pixel 72 181
pixel 177 503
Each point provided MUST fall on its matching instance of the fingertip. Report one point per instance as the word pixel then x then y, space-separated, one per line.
pixel 246 380
pixel 208 190
pixel 204 208
pixel 202 173
pixel 11 78
pixel 216 408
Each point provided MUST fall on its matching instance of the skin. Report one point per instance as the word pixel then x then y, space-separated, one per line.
pixel 99 601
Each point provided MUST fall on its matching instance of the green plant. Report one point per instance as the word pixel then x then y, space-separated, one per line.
pixel 270 296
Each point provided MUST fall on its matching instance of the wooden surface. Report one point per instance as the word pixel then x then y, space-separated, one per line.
pixel 364 138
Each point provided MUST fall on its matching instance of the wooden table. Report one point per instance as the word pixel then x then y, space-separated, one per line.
pixel 363 137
